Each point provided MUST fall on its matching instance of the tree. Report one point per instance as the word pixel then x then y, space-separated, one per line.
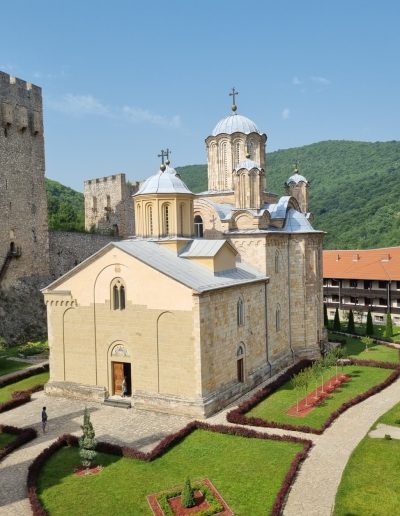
pixel 350 324
pixel 389 326
pixel 338 353
pixel 187 496
pixel 326 321
pixel 297 386
pixel 336 321
pixel 329 361
pixel 367 341
pixel 87 443
pixel 369 330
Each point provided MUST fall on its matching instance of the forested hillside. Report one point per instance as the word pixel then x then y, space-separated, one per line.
pixel 65 207
pixel 354 192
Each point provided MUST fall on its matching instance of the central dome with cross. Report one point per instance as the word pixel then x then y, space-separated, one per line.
pixel 234 140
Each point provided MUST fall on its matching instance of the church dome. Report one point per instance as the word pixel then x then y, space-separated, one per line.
pixel 248 164
pixel 167 181
pixel 235 124
pixel 296 179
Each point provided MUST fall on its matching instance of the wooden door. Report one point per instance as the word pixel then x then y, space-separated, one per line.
pixel 118 376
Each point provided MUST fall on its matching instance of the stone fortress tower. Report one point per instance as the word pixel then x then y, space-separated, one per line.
pixel 24 245
pixel 109 205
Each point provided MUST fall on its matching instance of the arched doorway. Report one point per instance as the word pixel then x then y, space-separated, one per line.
pixel 121 368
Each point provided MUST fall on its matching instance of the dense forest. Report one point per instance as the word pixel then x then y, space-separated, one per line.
pixel 354 189
pixel 354 192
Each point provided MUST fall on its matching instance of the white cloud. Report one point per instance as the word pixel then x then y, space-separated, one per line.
pixel 78 105
pixel 136 114
pixel 286 113
pixel 320 80
pixel 296 81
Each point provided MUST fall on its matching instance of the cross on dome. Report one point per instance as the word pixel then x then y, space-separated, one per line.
pixel 233 95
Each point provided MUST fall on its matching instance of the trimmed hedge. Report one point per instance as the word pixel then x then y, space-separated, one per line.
pixel 379 340
pixel 21 375
pixel 166 444
pixel 24 435
pixel 20 398
pixel 238 416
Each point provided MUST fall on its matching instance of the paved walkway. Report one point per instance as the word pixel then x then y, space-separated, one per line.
pixel 140 429
pixel 313 493
pixel 381 430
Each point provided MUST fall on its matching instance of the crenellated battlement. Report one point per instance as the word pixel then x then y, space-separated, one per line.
pixel 107 179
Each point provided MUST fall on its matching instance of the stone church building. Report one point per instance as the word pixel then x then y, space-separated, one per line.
pixel 215 293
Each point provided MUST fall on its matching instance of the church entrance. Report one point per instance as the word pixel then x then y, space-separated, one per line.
pixel 121 370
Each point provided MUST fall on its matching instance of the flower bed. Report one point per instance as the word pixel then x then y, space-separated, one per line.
pixel 23 435
pixel 238 415
pixel 165 445
pixel 20 398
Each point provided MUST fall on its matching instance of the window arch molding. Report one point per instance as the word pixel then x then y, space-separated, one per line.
pixel 118 294
pixel 198 226
pixel 240 362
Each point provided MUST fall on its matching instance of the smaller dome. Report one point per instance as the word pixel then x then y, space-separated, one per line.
pixel 164 182
pixel 235 124
pixel 296 178
pixel 248 164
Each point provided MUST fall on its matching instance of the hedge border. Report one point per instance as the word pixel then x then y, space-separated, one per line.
pixel 21 375
pixel 379 340
pixel 20 398
pixel 166 444
pixel 24 435
pixel 238 416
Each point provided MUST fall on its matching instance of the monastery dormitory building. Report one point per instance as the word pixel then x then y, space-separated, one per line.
pixel 363 280
pixel 215 293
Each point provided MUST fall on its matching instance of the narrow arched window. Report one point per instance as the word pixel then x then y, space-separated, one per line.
pixel 118 295
pixel 278 318
pixel 181 217
pixel 198 227
pixel 122 297
pixel 149 221
pixel 237 153
pixel 94 203
pixel 240 363
pixel 240 312
pixel 115 297
pixel 166 220
pixel 276 261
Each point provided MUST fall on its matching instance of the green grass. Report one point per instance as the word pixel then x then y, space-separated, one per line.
pixel 392 417
pixel 247 472
pixel 379 330
pixel 9 366
pixel 370 484
pixel 275 406
pixel 356 349
pixel 6 439
pixel 5 392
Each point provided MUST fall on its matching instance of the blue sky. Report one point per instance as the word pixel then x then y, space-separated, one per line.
pixel 123 79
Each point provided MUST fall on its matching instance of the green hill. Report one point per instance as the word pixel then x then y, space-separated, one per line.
pixel 65 207
pixel 354 193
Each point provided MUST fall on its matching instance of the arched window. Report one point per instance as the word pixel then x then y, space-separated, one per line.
pixel 240 363
pixel 240 312
pixel 181 218
pixel 118 296
pixel 237 153
pixel 149 220
pixel 198 226
pixel 278 318
pixel 166 220
pixel 225 164
pixel 250 149
pixel 277 261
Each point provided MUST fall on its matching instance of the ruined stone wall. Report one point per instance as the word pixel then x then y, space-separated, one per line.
pixel 109 205
pixel 23 202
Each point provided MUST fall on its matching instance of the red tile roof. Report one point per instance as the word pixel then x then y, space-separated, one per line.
pixel 377 264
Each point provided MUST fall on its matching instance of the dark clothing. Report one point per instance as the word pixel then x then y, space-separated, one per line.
pixel 44 416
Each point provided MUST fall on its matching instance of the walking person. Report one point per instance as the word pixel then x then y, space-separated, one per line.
pixel 44 419
pixel 124 387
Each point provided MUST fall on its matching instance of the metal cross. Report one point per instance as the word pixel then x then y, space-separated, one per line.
pixel 163 155
pixel 233 95
pixel 167 153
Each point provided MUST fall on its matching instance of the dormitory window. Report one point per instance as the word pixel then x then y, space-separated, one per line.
pixel 118 295
pixel 198 226
pixel 278 318
pixel 240 312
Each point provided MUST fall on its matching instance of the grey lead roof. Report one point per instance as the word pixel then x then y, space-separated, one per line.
pixel 164 182
pixel 192 275
pixel 235 124
pixel 296 178
pixel 202 248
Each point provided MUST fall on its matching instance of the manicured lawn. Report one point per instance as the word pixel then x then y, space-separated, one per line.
pixel 274 407
pixel 9 366
pixel 392 417
pixel 6 439
pixel 379 330
pixel 5 392
pixel 247 472
pixel 370 484
pixel 356 349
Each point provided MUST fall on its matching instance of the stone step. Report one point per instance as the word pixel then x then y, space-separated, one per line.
pixel 117 403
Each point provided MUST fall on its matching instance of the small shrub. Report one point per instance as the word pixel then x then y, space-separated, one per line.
pixel 33 348
pixel 336 322
pixel 388 437
pixel 187 496
pixel 389 327
pixel 369 329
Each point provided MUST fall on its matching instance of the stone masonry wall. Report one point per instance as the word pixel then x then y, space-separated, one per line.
pixel 23 202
